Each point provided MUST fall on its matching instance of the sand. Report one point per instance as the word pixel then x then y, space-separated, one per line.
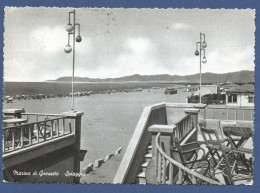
pixel 109 120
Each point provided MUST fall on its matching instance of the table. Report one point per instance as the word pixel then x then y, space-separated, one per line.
pixel 242 134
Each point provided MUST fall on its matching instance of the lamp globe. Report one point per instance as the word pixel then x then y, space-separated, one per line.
pixel 68 49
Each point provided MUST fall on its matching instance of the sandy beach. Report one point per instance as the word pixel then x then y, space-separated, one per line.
pixel 109 120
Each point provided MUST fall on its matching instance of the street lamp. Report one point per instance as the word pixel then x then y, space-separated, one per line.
pixel 71 29
pixel 200 47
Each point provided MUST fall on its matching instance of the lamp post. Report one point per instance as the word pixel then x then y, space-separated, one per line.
pixel 202 45
pixel 71 29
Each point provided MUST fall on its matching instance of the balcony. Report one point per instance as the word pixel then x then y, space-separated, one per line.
pixel 162 127
pixel 36 141
pixel 50 128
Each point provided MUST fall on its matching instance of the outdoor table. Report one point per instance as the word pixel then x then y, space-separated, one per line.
pixel 242 134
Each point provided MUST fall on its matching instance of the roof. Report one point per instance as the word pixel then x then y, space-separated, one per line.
pixel 246 88
pixel 170 88
pixel 210 85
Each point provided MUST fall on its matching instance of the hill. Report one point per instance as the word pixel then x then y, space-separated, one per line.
pixel 239 77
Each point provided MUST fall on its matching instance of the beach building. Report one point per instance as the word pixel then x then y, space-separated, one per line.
pixel 205 89
pixel 209 93
pixel 240 96
pixel 209 89
pixel 191 88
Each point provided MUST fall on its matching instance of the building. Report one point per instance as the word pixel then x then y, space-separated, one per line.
pixel 192 88
pixel 209 89
pixel 241 96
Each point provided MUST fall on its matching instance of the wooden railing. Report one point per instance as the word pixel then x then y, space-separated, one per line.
pixel 154 114
pixel 35 117
pixel 162 160
pixel 25 135
pixel 184 126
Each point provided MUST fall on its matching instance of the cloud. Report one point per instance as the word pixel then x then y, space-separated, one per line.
pixel 49 39
pixel 42 53
pixel 180 26
pixel 139 46
pixel 148 46
pixel 218 62
pixel 52 40
pixel 230 60
pixel 135 53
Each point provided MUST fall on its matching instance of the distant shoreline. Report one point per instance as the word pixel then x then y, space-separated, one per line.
pixel 114 82
pixel 32 88
pixel 122 82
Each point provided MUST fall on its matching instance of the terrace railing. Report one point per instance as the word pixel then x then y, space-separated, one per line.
pixel 163 159
pixel 43 128
pixel 35 117
pixel 185 131
pixel 162 114
pixel 184 126
pixel 229 113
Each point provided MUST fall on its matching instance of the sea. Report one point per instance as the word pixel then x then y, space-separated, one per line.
pixel 31 88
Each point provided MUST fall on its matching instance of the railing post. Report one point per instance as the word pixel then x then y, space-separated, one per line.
pixel 31 127
pixel 227 114
pixel 166 137
pixel 16 113
pixel 158 162
pixel 51 129
pixel 4 140
pixel 77 136
pixel 194 115
pixel 22 135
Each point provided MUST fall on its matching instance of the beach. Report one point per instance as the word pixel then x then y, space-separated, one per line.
pixel 109 120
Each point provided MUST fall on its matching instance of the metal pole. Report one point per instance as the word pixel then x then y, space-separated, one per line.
pixel 73 65
pixel 200 67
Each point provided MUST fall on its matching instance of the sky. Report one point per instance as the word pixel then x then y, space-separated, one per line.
pixel 123 42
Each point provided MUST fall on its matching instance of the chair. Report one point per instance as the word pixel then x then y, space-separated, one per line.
pixel 235 177
pixel 244 166
pixel 225 158
pixel 209 136
pixel 44 130
pixel 190 158
pixel 215 146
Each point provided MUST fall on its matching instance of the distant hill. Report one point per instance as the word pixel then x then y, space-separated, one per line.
pixel 239 77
